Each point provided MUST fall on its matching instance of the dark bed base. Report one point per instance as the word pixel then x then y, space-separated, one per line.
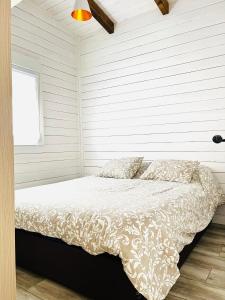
pixel 97 277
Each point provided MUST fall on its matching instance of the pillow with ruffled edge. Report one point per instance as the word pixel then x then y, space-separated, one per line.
pixel 124 168
pixel 171 170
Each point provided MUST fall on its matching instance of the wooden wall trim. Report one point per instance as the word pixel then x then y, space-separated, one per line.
pixel 7 228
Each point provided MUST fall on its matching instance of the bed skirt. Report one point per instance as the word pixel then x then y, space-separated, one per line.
pixel 98 277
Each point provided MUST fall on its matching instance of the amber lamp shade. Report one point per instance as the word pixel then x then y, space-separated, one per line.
pixel 81 11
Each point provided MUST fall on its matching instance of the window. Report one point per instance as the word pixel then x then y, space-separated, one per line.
pixel 26 110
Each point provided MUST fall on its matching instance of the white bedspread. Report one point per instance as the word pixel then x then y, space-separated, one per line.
pixel 146 223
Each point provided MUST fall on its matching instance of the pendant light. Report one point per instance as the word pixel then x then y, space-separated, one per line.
pixel 82 11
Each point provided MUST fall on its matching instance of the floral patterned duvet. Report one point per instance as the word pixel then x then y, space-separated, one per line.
pixel 146 223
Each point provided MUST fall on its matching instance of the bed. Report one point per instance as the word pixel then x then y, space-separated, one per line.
pixel 113 238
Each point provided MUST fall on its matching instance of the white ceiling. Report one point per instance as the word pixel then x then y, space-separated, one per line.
pixel 119 10
pixel 15 2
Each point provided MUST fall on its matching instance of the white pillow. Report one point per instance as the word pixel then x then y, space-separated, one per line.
pixel 124 168
pixel 171 170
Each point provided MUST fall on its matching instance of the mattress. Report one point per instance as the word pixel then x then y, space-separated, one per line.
pixel 145 223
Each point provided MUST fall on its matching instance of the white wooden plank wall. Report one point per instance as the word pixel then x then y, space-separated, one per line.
pixel 37 35
pixel 157 88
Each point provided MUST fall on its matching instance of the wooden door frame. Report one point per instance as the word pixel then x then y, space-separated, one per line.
pixel 7 228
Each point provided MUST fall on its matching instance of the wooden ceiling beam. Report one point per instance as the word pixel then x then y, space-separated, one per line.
pixel 101 17
pixel 163 6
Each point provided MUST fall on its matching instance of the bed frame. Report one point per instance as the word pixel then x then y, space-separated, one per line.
pixel 98 277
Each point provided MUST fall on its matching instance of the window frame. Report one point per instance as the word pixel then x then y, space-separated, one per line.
pixel 40 103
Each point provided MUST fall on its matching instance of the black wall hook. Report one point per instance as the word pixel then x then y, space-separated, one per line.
pixel 218 139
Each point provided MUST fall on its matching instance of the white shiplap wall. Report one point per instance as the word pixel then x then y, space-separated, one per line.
pixel 157 88
pixel 36 35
